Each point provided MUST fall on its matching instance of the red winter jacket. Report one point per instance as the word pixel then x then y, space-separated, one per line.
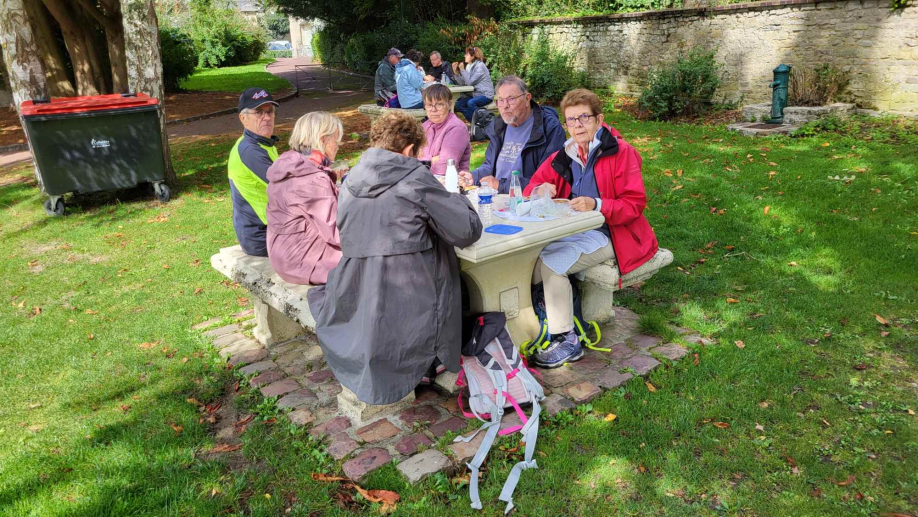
pixel 621 189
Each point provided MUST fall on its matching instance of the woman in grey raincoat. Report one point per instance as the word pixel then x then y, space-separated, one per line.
pixel 392 305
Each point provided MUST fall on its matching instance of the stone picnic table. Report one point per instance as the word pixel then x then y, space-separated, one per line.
pixel 498 268
pixel 373 111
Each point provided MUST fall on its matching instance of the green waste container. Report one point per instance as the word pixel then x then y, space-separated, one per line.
pixel 95 143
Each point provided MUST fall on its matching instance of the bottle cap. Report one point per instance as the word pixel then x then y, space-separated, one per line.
pixel 450 162
pixel 516 173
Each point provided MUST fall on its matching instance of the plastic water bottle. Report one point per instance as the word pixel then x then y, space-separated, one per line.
pixel 485 201
pixel 452 176
pixel 516 192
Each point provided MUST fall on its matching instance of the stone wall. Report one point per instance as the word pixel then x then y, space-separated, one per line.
pixel 876 46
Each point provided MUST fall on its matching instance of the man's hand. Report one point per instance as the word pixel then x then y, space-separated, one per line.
pixel 583 204
pixel 490 181
pixel 541 189
pixel 466 179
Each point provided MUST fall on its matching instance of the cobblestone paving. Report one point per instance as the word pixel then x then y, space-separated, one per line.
pixel 296 374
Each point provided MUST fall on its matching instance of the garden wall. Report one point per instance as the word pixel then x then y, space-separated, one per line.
pixel 878 47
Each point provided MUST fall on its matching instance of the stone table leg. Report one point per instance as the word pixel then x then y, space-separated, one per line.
pixel 361 413
pixel 504 285
pixel 273 326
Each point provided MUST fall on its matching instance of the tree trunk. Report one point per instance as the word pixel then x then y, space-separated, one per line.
pixel 145 63
pixel 59 84
pixel 109 17
pixel 20 53
pixel 83 55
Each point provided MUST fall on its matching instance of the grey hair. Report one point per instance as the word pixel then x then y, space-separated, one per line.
pixel 437 53
pixel 514 80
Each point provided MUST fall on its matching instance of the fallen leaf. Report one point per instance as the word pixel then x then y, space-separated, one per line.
pixel 739 344
pixel 826 144
pixel 759 427
pixel 35 405
pixel 91 336
pixel 795 471
pixel 35 428
pixel 36 310
pixel 90 311
pixel 642 468
pixel 125 407
pixel 147 346
pixel 198 290
pixel 193 401
pixel 881 320
pixel 910 411
pixel 861 366
pixel 826 422
pixel 165 266
pixel 177 428
pixel 695 361
pixel 224 447
pixel 846 482
pixel 679 173
pixel 610 417
pixel 767 209
pixel 650 387
pixel 773 164
pixel 792 264
pixel 732 300
pixel 884 333
pixel 326 478
pixel 677 187
pixel 721 425
pixel 668 173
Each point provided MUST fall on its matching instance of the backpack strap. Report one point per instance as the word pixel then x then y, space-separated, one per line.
pixel 586 340
pixel 500 385
pixel 530 431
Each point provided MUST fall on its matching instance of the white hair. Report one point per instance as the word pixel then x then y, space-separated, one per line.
pixel 312 128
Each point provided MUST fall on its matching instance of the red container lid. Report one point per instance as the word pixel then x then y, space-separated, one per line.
pixel 66 105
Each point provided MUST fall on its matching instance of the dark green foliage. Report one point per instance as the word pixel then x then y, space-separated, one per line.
pixel 887 130
pixel 276 25
pixel 179 59
pixel 543 8
pixel 816 86
pixel 685 86
pixel 548 72
pixel 221 37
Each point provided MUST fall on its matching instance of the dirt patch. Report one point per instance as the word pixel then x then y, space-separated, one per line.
pixel 191 104
pixel 10 128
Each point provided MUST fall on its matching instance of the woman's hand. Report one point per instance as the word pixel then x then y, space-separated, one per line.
pixel 434 160
pixel 541 189
pixel 583 204
pixel 462 66
pixel 465 178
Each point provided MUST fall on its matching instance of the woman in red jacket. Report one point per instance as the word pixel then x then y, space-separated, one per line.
pixel 596 170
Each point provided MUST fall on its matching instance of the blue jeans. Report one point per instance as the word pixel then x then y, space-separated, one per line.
pixel 468 105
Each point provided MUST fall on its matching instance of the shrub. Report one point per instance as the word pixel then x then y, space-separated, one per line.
pixel 504 51
pixel 221 37
pixel 179 59
pixel 548 72
pixel 816 86
pixel 685 86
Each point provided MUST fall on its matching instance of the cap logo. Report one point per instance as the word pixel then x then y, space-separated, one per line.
pixel 260 95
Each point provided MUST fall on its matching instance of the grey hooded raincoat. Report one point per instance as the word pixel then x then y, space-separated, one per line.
pixel 393 303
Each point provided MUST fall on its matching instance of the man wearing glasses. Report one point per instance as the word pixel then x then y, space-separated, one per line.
pixel 525 135
pixel 247 169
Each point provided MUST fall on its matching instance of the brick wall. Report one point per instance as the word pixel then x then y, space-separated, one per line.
pixel 878 47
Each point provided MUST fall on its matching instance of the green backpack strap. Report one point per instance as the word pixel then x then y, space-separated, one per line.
pixel 585 340
pixel 529 347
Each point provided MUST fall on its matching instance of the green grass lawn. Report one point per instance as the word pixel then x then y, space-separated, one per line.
pixel 235 78
pixel 769 253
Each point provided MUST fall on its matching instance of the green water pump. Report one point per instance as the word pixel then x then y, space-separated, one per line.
pixel 779 96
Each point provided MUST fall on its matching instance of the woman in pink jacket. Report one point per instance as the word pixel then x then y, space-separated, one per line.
pixel 447 136
pixel 303 241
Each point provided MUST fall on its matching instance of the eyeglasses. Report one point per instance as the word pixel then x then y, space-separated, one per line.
pixel 261 113
pixel 572 121
pixel 507 101
pixel 437 106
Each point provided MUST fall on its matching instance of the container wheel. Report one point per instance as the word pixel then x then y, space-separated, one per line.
pixel 161 191
pixel 54 207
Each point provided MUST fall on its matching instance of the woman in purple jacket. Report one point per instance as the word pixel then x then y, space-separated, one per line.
pixel 303 241
pixel 447 136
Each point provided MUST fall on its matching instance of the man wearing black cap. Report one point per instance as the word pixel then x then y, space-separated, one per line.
pixel 385 76
pixel 247 169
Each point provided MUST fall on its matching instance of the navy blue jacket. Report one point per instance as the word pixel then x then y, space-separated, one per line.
pixel 546 138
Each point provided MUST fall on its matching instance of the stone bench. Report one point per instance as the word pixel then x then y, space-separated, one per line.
pixel 602 281
pixel 374 112
pixel 282 311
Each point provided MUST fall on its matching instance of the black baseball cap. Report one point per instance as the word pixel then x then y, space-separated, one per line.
pixel 252 98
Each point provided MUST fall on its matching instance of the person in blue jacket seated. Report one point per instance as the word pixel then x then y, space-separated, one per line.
pixel 523 137
pixel 409 80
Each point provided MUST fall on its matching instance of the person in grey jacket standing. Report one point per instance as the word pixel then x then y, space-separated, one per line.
pixel 392 306
pixel 473 73
pixel 384 86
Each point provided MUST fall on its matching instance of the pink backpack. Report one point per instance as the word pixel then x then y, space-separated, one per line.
pixel 497 379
